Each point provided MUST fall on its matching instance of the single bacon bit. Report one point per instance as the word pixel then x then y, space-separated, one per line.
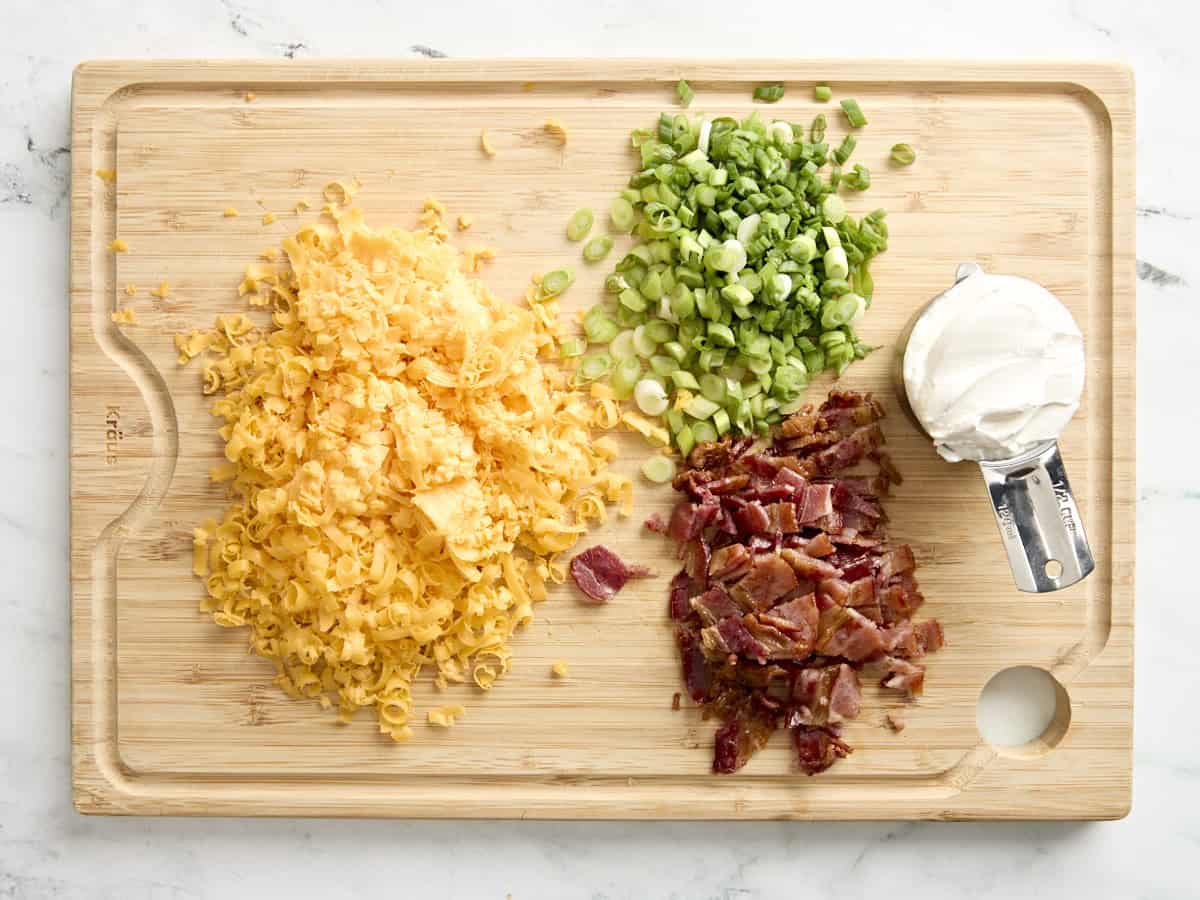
pixel 729 563
pixel 818 748
pixel 654 522
pixel 675 698
pixel 714 605
pixel 904 676
pixel 600 573
pixel 767 581
pixel 680 592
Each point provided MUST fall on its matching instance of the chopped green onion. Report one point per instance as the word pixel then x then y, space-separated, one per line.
pixel 658 468
pixel 685 441
pixel 859 179
pixel 854 115
pixel 684 92
pixel 579 224
pixel 833 208
pixel 769 93
pixel 650 397
pixel 643 343
pixel 701 408
pixel 704 432
pixel 822 93
pixel 554 283
pixel 622 347
pixel 622 214
pixel 572 347
pixel 593 367
pixel 747 273
pixel 626 374
pixel 663 365
pixel 598 326
pixel 903 154
pixel 817 133
pixel 836 265
pixel 713 387
pixel 842 153
pixel 597 248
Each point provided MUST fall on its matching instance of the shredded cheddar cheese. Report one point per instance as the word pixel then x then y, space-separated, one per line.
pixel 485 144
pixel 301 206
pixel 106 175
pixel 124 316
pixel 560 669
pixel 558 129
pixel 130 290
pixel 405 472
pixel 118 245
pixel 268 218
pixel 464 222
pixel 162 291
pixel 445 716
pixel 230 212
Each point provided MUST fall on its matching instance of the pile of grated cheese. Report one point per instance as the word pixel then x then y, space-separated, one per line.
pixel 405 470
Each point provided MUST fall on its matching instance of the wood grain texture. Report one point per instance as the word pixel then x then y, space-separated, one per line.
pixel 1026 168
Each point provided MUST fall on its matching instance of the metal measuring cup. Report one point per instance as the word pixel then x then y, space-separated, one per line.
pixel 1039 522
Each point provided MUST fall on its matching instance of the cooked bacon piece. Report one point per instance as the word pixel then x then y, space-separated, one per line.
pixel 767 581
pixel 742 735
pixel 774 641
pixel 808 567
pixel 752 518
pixel 710 456
pixel 600 573
pixel 817 748
pixel 696 675
pixel 849 634
pixel 845 696
pixel 819 546
pixel 800 618
pixel 731 635
pixel 899 601
pixel 714 605
pixel 850 450
pixel 863 599
pixel 729 563
pixel 782 518
pixel 896 561
pixel 654 522
pixel 688 520
pixel 681 586
pixel 728 485
pixel 817 503
pixel 903 675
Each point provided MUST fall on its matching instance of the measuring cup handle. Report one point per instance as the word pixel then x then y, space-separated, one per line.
pixel 1039 521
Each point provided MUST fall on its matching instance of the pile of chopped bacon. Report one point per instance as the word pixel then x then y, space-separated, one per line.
pixel 790 586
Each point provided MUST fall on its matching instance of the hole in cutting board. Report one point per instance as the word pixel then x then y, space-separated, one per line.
pixel 1023 711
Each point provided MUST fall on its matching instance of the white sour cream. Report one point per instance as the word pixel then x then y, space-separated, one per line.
pixel 993 368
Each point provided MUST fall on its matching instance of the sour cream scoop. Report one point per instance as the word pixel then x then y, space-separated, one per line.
pixel 992 371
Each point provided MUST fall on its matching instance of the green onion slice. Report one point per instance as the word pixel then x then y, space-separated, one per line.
pixel 579 224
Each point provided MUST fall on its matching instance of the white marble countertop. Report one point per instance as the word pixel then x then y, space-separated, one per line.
pixel 48 850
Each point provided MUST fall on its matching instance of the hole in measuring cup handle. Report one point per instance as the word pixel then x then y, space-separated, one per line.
pixel 1039 522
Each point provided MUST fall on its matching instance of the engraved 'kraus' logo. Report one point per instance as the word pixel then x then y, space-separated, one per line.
pixel 112 434
pixel 1063 495
pixel 1005 516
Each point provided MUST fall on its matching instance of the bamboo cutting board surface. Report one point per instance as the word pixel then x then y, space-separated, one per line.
pixel 1027 169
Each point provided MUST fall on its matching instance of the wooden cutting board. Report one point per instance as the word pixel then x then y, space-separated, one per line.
pixel 1025 168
